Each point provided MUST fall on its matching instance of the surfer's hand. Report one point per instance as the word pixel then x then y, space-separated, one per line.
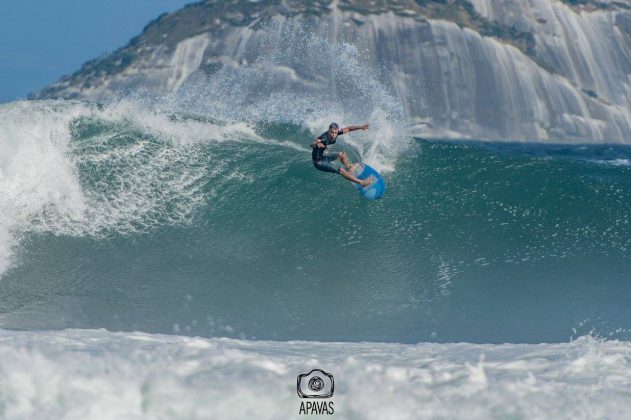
pixel 365 127
pixel 319 144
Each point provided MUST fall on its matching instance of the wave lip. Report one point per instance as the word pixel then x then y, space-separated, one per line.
pixel 74 373
pixel 79 169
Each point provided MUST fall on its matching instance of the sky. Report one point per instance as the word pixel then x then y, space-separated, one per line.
pixel 41 40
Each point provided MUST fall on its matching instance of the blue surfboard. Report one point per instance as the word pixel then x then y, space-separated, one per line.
pixel 373 191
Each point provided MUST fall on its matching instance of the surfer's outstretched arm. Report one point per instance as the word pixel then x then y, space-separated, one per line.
pixel 354 128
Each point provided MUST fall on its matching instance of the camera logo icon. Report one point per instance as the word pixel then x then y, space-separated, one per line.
pixel 315 384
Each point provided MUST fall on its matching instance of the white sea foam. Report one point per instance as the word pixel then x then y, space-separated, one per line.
pixel 36 176
pixel 101 375
pixel 41 189
pixel 614 162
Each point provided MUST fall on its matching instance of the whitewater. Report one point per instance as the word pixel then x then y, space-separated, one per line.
pixel 78 374
pixel 179 257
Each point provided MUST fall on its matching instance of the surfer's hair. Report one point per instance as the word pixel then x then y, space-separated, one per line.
pixel 333 125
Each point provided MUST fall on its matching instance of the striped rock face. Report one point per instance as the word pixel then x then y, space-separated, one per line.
pixel 537 70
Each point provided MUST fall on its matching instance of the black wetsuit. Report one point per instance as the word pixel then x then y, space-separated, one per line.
pixel 322 159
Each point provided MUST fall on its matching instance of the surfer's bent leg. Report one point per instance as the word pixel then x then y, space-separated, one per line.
pixel 327 165
pixel 345 160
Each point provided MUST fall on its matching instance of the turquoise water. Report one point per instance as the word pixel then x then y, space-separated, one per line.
pixel 175 223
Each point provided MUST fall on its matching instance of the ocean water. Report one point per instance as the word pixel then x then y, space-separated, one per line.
pixel 176 224
pixel 179 257
pixel 125 217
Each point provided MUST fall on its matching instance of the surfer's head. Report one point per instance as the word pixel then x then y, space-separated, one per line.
pixel 333 129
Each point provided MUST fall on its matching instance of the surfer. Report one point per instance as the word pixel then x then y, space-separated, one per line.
pixel 323 159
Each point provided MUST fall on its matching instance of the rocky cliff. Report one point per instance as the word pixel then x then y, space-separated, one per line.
pixel 542 70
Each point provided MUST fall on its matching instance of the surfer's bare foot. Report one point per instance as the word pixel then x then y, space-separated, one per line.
pixel 366 182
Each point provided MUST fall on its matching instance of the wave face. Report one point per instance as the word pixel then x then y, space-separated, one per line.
pixel 140 216
pixel 158 376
